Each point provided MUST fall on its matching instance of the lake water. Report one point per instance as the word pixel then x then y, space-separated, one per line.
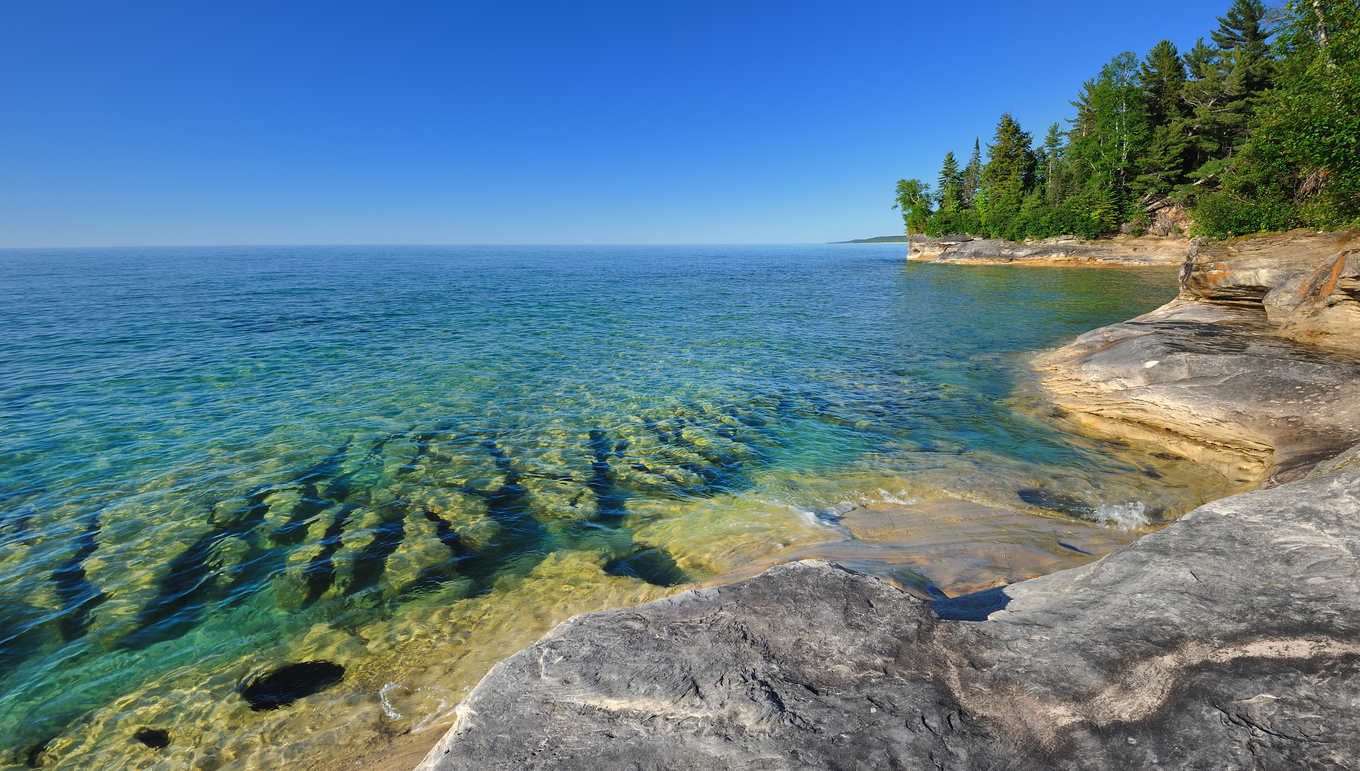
pixel 411 461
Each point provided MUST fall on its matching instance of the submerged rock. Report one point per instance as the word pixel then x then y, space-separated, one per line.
pixel 155 738
pixel 1224 640
pixel 291 682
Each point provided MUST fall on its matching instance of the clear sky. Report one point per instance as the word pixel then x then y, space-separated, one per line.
pixel 275 122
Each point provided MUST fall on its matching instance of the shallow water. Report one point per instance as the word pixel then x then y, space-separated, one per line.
pixel 409 462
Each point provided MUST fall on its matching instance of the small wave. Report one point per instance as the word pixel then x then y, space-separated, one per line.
pixel 1125 516
pixel 386 702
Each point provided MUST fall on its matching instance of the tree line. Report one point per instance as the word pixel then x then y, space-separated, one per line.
pixel 1257 130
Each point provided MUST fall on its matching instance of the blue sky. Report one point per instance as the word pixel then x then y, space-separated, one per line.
pixel 243 122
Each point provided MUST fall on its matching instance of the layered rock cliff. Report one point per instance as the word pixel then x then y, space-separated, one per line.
pixel 1254 367
pixel 1121 250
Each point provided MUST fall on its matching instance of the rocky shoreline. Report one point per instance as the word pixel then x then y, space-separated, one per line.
pixel 1228 639
pixel 1125 251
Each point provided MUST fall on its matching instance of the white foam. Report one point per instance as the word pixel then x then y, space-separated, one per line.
pixel 1125 516
pixel 901 498
pixel 386 702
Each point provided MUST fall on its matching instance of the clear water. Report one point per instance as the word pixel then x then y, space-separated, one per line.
pixel 413 461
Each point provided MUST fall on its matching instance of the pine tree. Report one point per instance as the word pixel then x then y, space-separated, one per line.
pixel 1162 76
pixel 972 175
pixel 1009 172
pixel 1242 34
pixel 950 187
pixel 1216 110
pixel 1242 28
pixel 1050 160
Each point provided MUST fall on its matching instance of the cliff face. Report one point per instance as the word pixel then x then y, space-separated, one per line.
pixel 1121 250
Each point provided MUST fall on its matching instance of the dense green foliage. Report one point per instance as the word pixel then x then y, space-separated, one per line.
pixel 1257 130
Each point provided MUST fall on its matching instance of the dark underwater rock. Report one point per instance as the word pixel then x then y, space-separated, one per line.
pixel 155 738
pixel 1226 640
pixel 290 682
pixel 654 566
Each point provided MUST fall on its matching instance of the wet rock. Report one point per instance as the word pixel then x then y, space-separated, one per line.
pixel 291 682
pixel 1225 640
pixel 155 738
pixel 1059 502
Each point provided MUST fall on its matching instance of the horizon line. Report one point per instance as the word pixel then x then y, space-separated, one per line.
pixel 389 245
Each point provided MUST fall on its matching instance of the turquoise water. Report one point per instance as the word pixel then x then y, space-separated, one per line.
pixel 412 461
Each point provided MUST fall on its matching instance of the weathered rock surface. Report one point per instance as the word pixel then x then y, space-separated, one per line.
pixel 1214 383
pixel 1121 250
pixel 1308 284
pixel 1253 368
pixel 1226 640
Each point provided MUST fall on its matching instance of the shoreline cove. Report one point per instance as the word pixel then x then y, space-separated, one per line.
pixel 1075 669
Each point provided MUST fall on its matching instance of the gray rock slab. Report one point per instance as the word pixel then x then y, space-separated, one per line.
pixel 1229 639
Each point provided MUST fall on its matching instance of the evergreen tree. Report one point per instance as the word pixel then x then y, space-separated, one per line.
pixel 1050 160
pixel 1162 76
pixel 972 175
pixel 950 187
pixel 1106 156
pixel 1301 163
pixel 1250 134
pixel 1008 175
pixel 1215 120
pixel 1241 32
pixel 1242 28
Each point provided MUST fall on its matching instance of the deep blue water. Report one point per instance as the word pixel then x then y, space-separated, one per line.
pixel 216 459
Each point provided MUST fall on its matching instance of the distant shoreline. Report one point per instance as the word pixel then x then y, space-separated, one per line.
pixel 876 240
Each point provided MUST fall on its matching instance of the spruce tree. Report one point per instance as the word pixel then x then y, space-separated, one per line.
pixel 1009 173
pixel 950 185
pixel 972 175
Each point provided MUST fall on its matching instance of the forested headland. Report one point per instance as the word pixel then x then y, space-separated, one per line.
pixel 1256 129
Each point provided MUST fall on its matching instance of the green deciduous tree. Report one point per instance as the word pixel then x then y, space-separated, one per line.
pixel 913 199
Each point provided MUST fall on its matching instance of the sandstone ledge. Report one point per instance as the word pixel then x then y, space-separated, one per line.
pixel 1120 251
pixel 1225 640
pixel 1255 367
